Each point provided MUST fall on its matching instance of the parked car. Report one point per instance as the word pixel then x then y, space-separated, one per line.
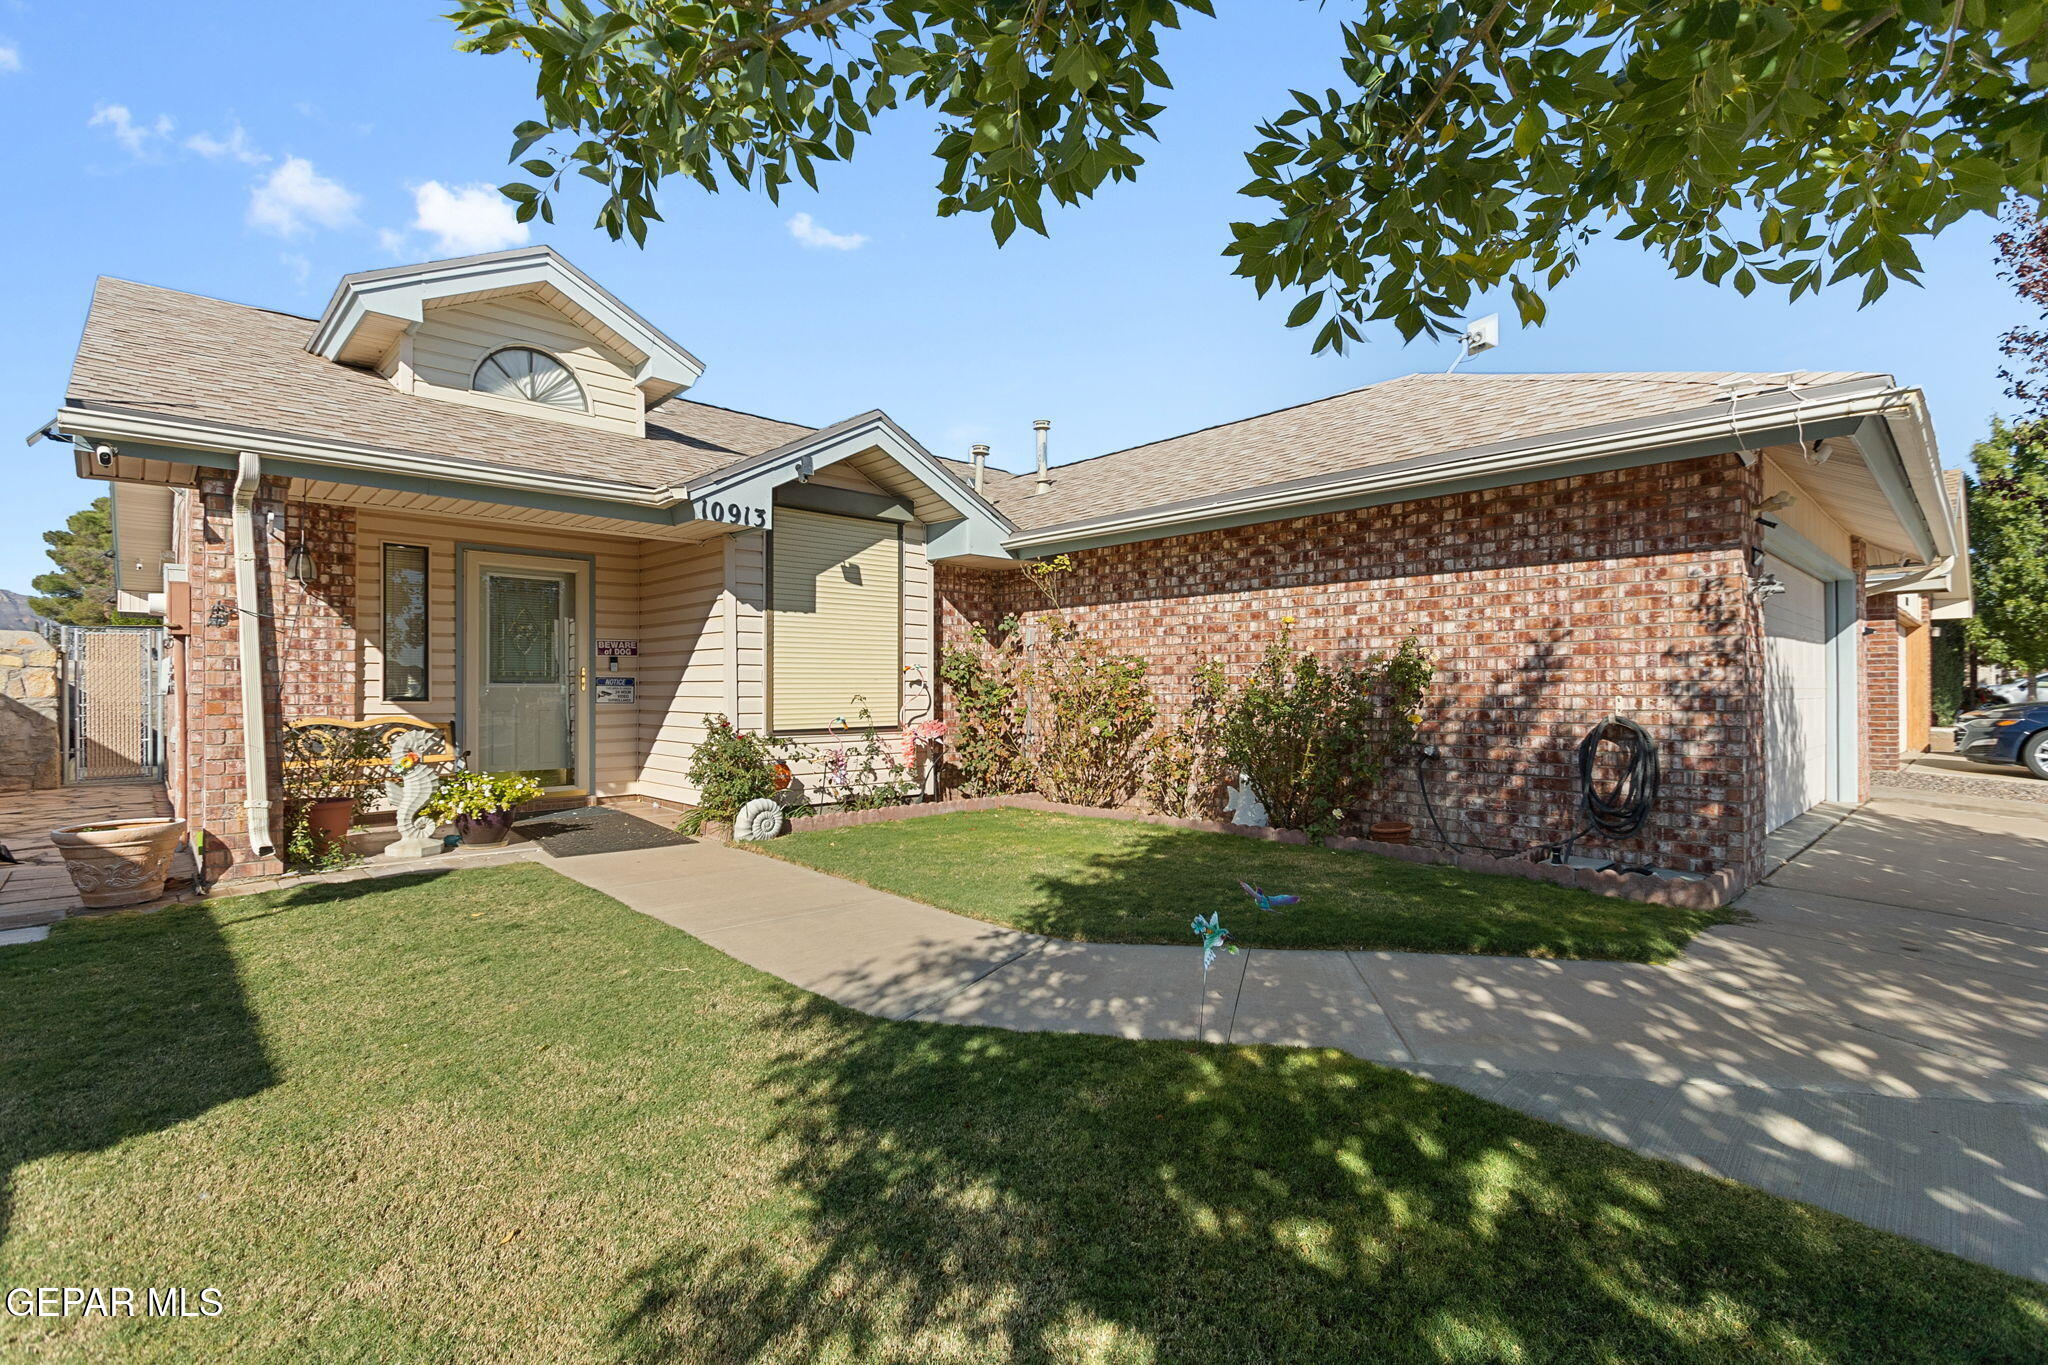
pixel 2007 735
pixel 2016 690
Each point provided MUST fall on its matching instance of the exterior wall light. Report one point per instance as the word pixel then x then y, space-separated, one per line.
pixel 298 564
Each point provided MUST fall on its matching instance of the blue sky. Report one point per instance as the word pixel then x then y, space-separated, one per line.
pixel 260 151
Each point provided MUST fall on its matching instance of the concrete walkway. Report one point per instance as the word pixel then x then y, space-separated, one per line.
pixel 1875 1041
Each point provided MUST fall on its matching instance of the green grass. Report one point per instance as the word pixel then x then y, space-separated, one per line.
pixel 1115 881
pixel 493 1115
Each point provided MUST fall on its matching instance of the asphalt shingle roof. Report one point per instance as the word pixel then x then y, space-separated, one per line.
pixel 174 354
pixel 171 354
pixel 1399 419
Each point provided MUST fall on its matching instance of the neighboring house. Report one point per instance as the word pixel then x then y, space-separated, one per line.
pixel 449 494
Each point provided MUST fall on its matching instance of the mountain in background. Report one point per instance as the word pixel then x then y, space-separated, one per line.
pixel 14 612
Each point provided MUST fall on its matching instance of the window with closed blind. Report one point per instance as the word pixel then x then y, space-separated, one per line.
pixel 835 620
pixel 405 623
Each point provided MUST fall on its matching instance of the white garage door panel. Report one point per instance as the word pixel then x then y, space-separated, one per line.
pixel 1795 694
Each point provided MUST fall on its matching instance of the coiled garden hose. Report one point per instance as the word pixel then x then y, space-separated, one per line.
pixel 1621 808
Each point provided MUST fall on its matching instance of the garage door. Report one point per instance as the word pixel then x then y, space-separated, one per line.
pixel 1796 739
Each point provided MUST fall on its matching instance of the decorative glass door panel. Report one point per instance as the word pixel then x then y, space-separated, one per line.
pixel 527 677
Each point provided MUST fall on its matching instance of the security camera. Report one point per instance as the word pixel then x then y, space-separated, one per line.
pixel 103 456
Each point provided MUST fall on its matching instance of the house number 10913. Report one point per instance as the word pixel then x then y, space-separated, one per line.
pixel 732 514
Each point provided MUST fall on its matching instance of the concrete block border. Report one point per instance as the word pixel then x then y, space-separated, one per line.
pixel 1707 893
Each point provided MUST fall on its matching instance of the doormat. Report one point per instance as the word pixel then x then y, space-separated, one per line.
pixel 594 829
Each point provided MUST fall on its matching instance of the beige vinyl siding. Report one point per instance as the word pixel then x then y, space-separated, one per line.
pixel 920 680
pixel 682 672
pixel 617 747
pixel 836 620
pixel 451 341
pixel 1805 514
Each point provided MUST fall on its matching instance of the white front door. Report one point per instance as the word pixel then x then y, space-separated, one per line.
pixel 524 670
pixel 1796 729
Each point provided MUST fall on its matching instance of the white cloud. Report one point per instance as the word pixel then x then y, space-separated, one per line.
pixel 301 268
pixel 295 196
pixel 393 242
pixel 136 137
pixel 10 57
pixel 465 218
pixel 811 233
pixel 236 145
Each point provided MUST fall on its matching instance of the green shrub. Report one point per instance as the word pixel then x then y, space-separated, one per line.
pixel 1316 737
pixel 985 694
pixel 1948 666
pixel 1189 768
pixel 1091 712
pixel 729 768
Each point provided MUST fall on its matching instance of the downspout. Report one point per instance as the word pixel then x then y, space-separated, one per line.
pixel 255 752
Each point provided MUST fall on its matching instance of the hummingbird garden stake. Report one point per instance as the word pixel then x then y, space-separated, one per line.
pixel 1268 903
pixel 1212 935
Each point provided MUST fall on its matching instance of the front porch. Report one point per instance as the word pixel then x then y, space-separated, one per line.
pixel 586 653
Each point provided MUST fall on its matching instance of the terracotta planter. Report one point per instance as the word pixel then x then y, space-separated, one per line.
pixel 118 862
pixel 1391 832
pixel 488 828
pixel 328 822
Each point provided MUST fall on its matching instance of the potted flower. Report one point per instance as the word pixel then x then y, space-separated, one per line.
pixel 330 772
pixel 481 804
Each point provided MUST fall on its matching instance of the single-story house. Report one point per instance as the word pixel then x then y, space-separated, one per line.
pixel 477 492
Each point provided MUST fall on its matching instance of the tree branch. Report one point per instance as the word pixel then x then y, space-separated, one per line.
pixel 775 33
pixel 1473 40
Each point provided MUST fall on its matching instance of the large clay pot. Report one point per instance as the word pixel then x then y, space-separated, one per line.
pixel 118 862
pixel 489 828
pixel 328 822
pixel 1391 832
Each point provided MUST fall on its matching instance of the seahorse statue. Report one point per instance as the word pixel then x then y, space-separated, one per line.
pixel 412 782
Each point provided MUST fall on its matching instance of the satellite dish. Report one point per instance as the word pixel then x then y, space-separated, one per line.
pixel 1481 334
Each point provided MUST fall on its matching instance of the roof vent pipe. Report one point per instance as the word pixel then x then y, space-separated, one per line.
pixel 1044 484
pixel 979 454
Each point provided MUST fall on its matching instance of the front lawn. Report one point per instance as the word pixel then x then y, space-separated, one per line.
pixel 1115 881
pixel 493 1115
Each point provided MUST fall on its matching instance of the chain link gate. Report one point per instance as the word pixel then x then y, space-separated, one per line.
pixel 113 703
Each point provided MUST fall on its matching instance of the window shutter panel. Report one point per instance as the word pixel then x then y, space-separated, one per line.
pixel 836 620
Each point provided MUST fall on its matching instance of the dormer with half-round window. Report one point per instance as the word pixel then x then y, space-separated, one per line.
pixel 525 374
pixel 521 332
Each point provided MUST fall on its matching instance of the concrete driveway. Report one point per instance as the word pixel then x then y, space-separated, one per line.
pixel 1874 1040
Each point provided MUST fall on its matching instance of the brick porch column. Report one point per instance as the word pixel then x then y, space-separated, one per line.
pixel 1885 711
pixel 311 654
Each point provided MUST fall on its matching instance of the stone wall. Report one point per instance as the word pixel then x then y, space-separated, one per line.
pixel 30 747
pixel 1546 607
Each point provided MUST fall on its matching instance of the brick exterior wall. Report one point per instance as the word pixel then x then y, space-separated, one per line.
pixel 1546 606
pixel 311 655
pixel 1884 711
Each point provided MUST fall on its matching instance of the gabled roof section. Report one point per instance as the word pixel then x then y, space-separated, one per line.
pixel 1429 435
pixel 960 524
pixel 371 309
pixel 234 376
pixel 1415 416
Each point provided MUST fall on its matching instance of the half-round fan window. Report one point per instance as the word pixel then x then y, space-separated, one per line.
pixel 534 376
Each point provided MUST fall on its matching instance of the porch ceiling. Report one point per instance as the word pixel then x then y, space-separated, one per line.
pixel 474 509
pixel 1840 479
